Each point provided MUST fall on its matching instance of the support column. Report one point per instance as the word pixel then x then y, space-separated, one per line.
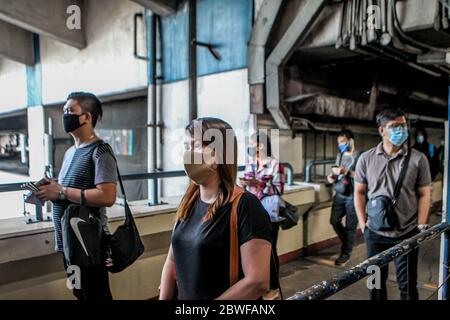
pixel 444 262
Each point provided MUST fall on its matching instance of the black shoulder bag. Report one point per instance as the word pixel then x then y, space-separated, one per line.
pixel 343 186
pixel 381 209
pixel 124 245
pixel 288 212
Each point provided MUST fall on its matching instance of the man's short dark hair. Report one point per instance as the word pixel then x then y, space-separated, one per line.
pixel 89 103
pixel 346 133
pixel 389 115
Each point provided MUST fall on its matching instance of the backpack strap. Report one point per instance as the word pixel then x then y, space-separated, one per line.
pixel 399 183
pixel 234 241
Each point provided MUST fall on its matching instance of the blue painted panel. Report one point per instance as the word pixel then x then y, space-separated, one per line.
pixel 34 77
pixel 226 24
pixel 175 34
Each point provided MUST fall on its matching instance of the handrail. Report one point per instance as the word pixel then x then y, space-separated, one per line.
pixel 10 187
pixel 290 173
pixel 312 163
pixel 344 279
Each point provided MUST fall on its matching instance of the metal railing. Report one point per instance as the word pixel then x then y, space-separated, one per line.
pixel 154 176
pixel 340 281
pixel 313 163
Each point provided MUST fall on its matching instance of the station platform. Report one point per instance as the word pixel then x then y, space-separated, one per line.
pixel 307 271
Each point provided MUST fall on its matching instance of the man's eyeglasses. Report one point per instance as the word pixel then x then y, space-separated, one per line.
pixel 397 126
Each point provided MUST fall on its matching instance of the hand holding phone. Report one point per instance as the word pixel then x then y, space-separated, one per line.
pixel 336 170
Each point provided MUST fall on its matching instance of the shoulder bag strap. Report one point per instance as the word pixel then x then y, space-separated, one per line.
pixel 119 177
pixel 234 241
pixel 399 183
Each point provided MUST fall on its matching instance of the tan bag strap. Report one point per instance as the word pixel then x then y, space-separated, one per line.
pixel 234 241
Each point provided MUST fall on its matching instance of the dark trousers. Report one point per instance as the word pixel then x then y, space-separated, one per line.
pixel 344 206
pixel 274 261
pixel 94 283
pixel 406 267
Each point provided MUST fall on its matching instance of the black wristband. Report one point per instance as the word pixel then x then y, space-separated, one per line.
pixel 82 198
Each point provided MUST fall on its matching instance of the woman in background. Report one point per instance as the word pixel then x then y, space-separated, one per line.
pixel 264 177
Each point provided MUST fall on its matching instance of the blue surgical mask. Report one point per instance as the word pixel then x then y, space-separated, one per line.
pixel 398 136
pixel 344 147
pixel 420 139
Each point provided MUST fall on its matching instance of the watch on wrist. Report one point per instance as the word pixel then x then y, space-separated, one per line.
pixel 63 194
pixel 423 227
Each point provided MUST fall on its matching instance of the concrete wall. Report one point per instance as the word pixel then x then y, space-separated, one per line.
pixel 13 86
pixel 106 65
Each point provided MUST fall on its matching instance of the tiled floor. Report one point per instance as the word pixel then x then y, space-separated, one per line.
pixel 302 273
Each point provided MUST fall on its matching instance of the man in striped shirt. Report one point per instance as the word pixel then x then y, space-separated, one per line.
pixel 89 168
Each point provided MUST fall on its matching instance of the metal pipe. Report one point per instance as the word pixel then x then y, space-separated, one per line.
pixel 371 32
pixel 347 25
pixel 154 157
pixel 192 60
pixel 49 149
pixel 290 173
pixel 258 39
pixel 313 163
pixel 381 52
pixel 417 117
pixel 364 40
pixel 444 19
pixel 352 26
pixel 344 279
pixel 160 121
pixel 340 39
pixel 385 38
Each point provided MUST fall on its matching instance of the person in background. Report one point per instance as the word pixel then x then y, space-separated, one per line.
pixel 428 149
pixel 342 176
pixel 264 176
pixel 90 168
pixel 377 174
pixel 441 152
pixel 198 263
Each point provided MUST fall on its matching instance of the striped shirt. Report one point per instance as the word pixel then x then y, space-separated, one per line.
pixel 83 168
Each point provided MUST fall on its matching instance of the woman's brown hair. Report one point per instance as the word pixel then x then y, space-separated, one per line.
pixel 227 169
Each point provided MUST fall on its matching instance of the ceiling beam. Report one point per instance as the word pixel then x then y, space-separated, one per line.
pixel 17 44
pixel 46 17
pixel 159 7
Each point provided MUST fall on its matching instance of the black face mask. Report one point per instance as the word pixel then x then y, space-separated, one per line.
pixel 251 151
pixel 71 122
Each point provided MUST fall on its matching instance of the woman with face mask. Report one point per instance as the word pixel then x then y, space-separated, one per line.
pixel 264 177
pixel 199 265
pixel 342 177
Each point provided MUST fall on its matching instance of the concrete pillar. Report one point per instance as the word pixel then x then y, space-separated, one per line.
pixel 36 127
